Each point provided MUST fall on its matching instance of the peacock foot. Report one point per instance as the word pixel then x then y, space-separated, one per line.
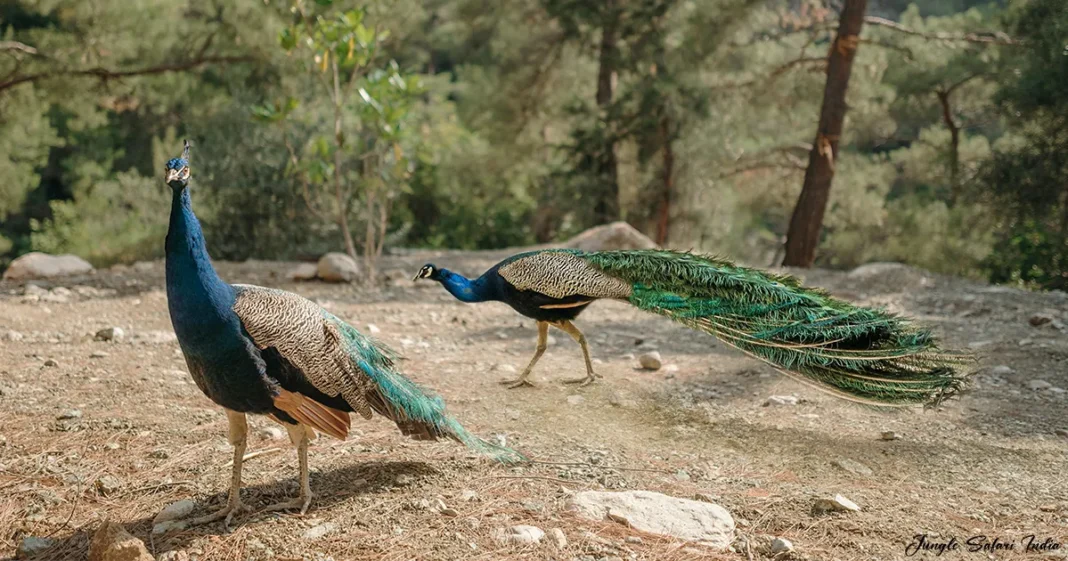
pixel 589 379
pixel 517 383
pixel 302 503
pixel 226 513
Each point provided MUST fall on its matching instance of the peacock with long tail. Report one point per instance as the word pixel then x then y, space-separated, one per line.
pixel 264 351
pixel 862 354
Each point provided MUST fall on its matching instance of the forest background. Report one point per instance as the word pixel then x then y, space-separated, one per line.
pixel 325 125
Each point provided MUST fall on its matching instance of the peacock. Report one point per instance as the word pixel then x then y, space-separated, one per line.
pixel 861 354
pixel 270 352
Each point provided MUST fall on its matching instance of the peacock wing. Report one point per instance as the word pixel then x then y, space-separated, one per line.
pixel 562 274
pixel 301 333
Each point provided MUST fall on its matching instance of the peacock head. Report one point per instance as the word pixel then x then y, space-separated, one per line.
pixel 178 170
pixel 429 271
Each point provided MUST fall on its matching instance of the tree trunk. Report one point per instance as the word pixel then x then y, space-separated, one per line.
pixel 663 224
pixel 804 233
pixel 606 205
pixel 954 145
pixel 339 191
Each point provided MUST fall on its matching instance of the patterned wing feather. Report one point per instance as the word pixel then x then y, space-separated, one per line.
pixel 561 274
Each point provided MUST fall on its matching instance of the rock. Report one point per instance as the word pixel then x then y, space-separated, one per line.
pixel 1038 385
pixel 69 414
pixel 108 485
pixel 633 540
pixel 575 400
pixel 403 479
pixel 651 360
pixel 781 545
pixel 316 532
pixel 976 345
pixel 32 547
pixel 173 511
pixel 781 400
pixel 889 435
pixel 115 334
pixel 1061 432
pixel 837 504
pixel 11 335
pixel 373 329
pixel 338 267
pixel 173 555
pixel 1038 319
pixel 303 272
pixel 854 467
pixel 889 275
pixel 1001 370
pixel 272 432
pixel 467 495
pixel 617 235
pixel 98 354
pixel 113 543
pixel 51 363
pixel 655 513
pixel 558 537
pixel 38 265
pixel 521 534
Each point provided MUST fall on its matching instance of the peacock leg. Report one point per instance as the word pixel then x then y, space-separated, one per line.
pixel 543 341
pixel 238 438
pixel 567 327
pixel 299 435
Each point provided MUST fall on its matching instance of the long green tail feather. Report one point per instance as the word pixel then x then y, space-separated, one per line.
pixel 407 401
pixel 862 354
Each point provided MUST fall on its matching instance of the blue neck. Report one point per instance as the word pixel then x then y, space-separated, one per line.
pixel 464 289
pixel 196 295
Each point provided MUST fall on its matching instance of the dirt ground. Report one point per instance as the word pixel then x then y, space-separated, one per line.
pixel 993 463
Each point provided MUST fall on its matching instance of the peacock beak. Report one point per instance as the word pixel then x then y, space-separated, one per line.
pixel 417 276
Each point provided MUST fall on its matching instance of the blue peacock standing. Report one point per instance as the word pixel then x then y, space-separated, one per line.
pixel 861 354
pixel 270 352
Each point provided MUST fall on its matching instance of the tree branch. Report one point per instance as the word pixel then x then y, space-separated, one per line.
pixel 986 37
pixel 105 74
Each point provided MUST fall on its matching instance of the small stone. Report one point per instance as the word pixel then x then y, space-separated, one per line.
pixel 974 345
pixel 108 485
pixel 373 329
pixel 271 432
pixel 98 354
pixel 174 511
pixel 467 495
pixel 303 272
pixel 1038 385
pixel 889 435
pixel 837 504
pixel 112 446
pixel 781 545
pixel 403 479
pixel 176 555
pixel 338 267
pixel 1038 319
pixel 633 540
pixel 651 360
pixel 51 363
pixel 682 475
pixel 521 534
pixel 854 467
pixel 575 400
pixel 11 335
pixel 316 532
pixel 781 400
pixel 1001 370
pixel 512 414
pixel 159 454
pixel 550 341
pixel 1026 342
pixel 115 334
pixel 1061 432
pixel 558 537
pixel 113 543
pixel 504 368
pixel 32 547
pixel 449 511
pixel 70 414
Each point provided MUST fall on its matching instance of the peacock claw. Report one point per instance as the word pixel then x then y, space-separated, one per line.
pixel 302 503
pixel 227 513
pixel 517 383
pixel 591 378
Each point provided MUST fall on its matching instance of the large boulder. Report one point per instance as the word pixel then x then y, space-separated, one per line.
pixel 706 523
pixel 38 265
pixel 113 543
pixel 338 267
pixel 617 235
